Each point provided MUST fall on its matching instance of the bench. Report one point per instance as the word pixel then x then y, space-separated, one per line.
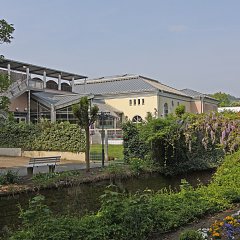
pixel 51 162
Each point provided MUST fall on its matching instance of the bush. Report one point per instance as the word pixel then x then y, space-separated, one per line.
pixel 191 235
pixel 9 177
pixel 180 110
pixel 44 136
pixel 192 142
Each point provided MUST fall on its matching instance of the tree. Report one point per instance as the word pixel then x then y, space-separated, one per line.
pixel 6 31
pixel 180 110
pixel 86 115
pixel 223 98
pixel 4 84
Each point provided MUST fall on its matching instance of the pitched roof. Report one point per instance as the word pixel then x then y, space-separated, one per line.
pixel 195 94
pixel 61 101
pixel 58 100
pixel 123 84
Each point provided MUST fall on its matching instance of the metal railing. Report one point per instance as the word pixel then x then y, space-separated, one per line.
pixel 22 85
pixel 113 134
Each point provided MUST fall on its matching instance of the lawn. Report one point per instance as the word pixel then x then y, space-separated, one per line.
pixel 115 151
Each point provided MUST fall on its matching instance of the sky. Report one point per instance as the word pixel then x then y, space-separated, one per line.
pixel 182 43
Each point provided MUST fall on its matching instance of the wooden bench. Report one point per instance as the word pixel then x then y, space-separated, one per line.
pixel 51 162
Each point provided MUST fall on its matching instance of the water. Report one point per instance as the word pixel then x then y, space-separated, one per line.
pixel 84 198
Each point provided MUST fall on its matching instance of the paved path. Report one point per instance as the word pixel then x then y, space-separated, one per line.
pixel 19 164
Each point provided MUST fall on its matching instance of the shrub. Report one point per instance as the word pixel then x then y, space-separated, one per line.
pixel 9 177
pixel 193 142
pixel 191 235
pixel 44 136
pixel 180 110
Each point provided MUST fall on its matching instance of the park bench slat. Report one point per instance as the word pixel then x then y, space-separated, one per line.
pixel 43 161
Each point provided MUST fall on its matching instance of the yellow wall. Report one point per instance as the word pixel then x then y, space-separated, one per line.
pixel 151 104
pixel 172 104
pixel 122 104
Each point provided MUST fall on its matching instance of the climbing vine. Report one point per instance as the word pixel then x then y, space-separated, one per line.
pixel 189 142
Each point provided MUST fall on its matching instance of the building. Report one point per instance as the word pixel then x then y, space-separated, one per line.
pixel 136 95
pixel 229 109
pixel 39 92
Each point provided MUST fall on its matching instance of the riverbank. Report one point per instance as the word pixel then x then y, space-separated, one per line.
pixel 63 179
pixel 201 223
pixel 139 215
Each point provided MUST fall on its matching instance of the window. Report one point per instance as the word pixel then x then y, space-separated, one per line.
pixel 173 103
pixel 143 101
pixel 139 101
pixel 130 102
pixel 165 110
pixel 134 102
pixel 178 103
pixel 137 119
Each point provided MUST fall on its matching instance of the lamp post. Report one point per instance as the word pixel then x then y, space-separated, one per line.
pixel 103 115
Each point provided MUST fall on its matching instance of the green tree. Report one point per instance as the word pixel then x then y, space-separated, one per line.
pixel 6 31
pixel 86 115
pixel 235 104
pixel 223 98
pixel 4 84
pixel 180 110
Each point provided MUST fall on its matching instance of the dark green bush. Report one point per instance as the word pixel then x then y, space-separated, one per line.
pixel 9 177
pixel 44 136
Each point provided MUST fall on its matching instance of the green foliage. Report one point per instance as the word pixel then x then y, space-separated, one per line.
pixel 192 142
pixel 115 169
pixel 6 31
pixel 138 165
pixel 44 136
pixel 133 146
pixel 9 177
pixel 48 179
pixel 191 235
pixel 226 100
pixel 137 216
pixel 85 114
pixel 4 84
pixel 180 110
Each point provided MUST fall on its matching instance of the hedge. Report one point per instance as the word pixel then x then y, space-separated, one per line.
pixel 43 136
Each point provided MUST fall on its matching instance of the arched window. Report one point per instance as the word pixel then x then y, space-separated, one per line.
pixel 137 119
pixel 66 87
pixel 36 82
pixel 52 85
pixel 165 109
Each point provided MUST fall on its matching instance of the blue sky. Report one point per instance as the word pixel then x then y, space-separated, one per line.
pixel 182 43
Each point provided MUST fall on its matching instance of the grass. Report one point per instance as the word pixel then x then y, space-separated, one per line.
pixel 115 151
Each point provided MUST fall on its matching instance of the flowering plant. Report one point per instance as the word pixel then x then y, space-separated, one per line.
pixel 228 229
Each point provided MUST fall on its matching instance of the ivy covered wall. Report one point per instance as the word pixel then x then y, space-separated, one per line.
pixel 44 136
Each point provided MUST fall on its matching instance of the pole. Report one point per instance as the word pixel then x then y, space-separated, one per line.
pixel 29 107
pixel 103 155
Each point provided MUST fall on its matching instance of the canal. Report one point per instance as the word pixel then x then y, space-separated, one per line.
pixel 85 198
